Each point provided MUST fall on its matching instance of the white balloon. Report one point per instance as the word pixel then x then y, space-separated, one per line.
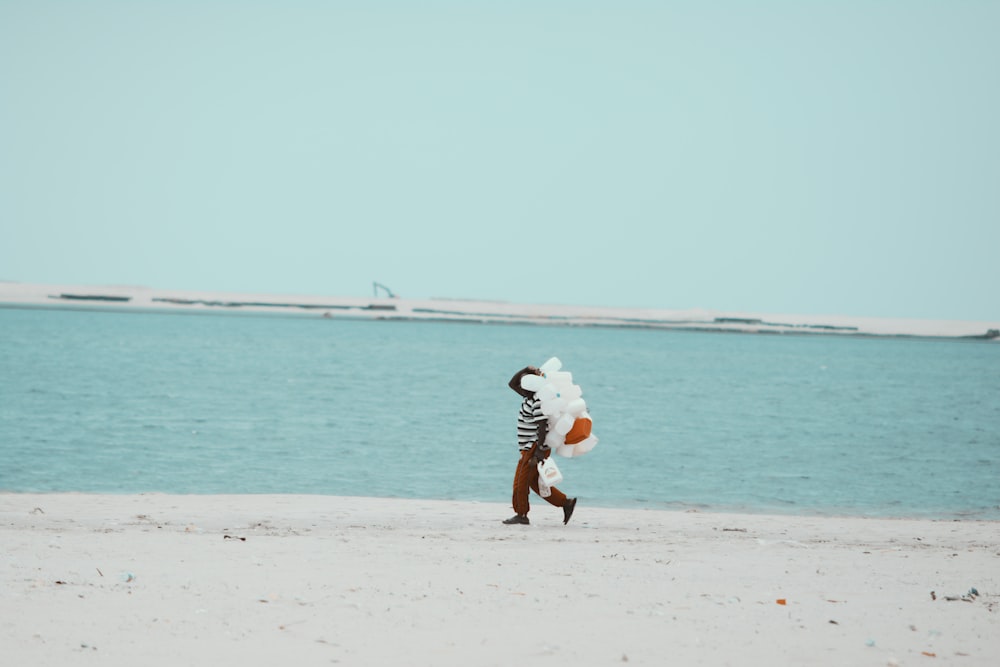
pixel 585 446
pixel 565 450
pixel 555 408
pixel 564 424
pixel 571 392
pixel 547 392
pixel 532 382
pixel 576 407
pixel 552 364
pixel 560 378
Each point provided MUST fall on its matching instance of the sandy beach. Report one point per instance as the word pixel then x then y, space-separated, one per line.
pixel 192 580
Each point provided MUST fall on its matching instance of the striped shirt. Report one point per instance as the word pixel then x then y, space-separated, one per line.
pixel 527 422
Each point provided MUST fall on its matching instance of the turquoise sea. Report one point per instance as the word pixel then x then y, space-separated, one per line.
pixel 161 402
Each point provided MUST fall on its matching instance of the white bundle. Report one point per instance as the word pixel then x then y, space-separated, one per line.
pixel 562 402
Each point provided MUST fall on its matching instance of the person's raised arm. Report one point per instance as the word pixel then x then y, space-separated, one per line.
pixel 515 382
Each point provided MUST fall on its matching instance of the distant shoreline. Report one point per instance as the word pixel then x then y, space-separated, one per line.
pixel 144 299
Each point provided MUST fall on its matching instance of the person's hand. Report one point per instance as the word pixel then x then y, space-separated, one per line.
pixel 539 456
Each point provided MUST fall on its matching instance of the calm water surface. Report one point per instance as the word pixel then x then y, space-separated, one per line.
pixel 136 402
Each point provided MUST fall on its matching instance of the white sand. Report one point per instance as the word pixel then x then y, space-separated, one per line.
pixel 355 581
pixel 145 298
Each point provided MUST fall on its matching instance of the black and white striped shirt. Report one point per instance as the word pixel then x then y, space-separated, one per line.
pixel 527 422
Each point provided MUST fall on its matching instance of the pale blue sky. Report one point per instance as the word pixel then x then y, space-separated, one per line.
pixel 783 157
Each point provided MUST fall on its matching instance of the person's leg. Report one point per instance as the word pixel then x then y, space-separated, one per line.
pixel 556 497
pixel 522 481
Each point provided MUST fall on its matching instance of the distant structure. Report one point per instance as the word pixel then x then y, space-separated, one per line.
pixel 388 292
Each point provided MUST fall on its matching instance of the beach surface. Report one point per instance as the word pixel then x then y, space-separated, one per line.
pixel 290 579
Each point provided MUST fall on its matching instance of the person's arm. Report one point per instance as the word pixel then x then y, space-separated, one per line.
pixel 543 430
pixel 515 382
pixel 542 423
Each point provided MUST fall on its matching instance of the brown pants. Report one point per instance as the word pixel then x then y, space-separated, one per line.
pixel 526 476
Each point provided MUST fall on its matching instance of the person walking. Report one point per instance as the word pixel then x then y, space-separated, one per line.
pixel 532 427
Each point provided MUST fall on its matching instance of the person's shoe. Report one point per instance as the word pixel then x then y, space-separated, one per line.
pixel 517 518
pixel 568 510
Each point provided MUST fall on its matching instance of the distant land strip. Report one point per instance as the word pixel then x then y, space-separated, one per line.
pixel 126 298
pixel 93 297
pixel 266 304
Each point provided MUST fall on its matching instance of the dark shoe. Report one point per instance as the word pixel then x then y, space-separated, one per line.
pixel 568 510
pixel 517 518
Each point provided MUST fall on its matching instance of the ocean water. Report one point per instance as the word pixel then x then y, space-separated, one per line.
pixel 161 402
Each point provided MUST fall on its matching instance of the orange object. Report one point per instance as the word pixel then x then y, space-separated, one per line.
pixel 580 431
pixel 781 601
pixel 929 654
